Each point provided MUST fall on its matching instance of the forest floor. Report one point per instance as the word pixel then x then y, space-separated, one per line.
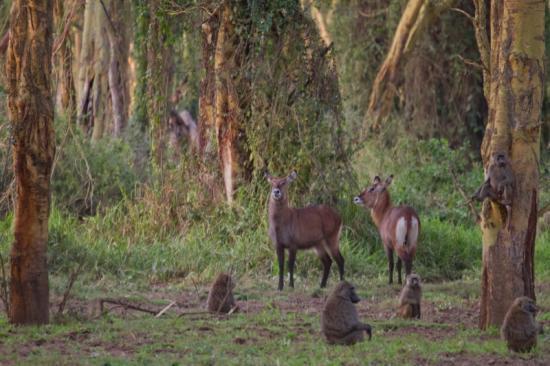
pixel 274 328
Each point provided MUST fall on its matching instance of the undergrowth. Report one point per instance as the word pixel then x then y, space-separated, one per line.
pixel 171 230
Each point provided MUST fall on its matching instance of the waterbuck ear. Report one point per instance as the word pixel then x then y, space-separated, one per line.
pixel 376 180
pixel 388 180
pixel 267 176
pixel 292 176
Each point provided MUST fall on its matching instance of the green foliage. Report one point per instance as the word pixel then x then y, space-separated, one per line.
pixel 439 95
pixel 273 328
pixel 455 249
pixel 428 175
pixel 141 25
pixel 90 175
pixel 295 119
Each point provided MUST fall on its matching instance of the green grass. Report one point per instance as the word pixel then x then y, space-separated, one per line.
pixel 278 333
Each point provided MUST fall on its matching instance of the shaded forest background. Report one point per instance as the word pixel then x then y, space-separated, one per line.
pixel 294 80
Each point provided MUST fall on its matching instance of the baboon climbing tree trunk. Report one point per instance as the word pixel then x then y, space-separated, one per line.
pixel 514 96
pixel 30 104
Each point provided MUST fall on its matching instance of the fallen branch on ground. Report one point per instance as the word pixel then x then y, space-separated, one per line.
pixel 125 305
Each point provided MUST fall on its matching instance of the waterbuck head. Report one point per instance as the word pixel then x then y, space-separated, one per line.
pixel 373 194
pixel 279 185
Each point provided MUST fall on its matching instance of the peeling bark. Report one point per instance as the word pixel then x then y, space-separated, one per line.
pixel 227 104
pixel 30 103
pixel 515 97
pixel 63 59
pixel 207 88
pixel 93 103
pixel 118 64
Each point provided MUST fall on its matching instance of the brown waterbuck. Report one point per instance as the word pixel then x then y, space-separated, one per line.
pixel 316 227
pixel 399 227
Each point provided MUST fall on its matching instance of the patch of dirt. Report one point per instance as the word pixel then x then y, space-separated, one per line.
pixel 466 359
pixel 432 334
pixel 239 340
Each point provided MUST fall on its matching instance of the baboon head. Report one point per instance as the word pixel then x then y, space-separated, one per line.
pixel 224 281
pixel 346 291
pixel 500 159
pixel 279 185
pixel 371 195
pixel 525 304
pixel 413 280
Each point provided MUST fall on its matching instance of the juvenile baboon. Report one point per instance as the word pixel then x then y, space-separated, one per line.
pixel 520 329
pixel 409 299
pixel 220 297
pixel 339 320
pixel 499 185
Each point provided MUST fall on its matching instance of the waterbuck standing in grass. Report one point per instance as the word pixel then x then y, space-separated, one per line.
pixel 316 227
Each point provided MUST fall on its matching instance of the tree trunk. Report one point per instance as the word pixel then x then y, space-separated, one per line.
pixel 118 66
pixel 64 16
pixel 30 104
pixel 158 84
pixel 94 106
pixel 416 17
pixel 226 105
pixel 515 101
pixel 207 87
pixel 141 27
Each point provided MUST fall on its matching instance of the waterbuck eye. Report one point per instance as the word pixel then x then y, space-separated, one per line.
pixel 370 189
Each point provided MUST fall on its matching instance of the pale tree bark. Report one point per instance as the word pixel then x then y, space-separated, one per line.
pixel 417 16
pixel 30 103
pixel 94 106
pixel 209 35
pixel 319 19
pixel 227 109
pixel 117 33
pixel 515 97
pixel 64 16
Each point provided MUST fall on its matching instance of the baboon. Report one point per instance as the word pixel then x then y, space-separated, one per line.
pixel 499 185
pixel 520 329
pixel 409 299
pixel 339 320
pixel 220 297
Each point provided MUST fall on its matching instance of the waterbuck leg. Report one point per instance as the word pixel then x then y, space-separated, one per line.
pixel 327 262
pixel 291 261
pixel 389 254
pixel 281 259
pixel 408 266
pixel 340 261
pixel 398 270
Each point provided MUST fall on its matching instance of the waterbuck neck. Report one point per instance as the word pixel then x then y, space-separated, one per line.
pixel 278 208
pixel 381 208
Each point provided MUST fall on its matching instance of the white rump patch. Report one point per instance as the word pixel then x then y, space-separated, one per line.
pixel 401 231
pixel 413 232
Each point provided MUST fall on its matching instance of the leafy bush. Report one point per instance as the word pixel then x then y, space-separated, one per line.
pixel 90 175
pixel 428 175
